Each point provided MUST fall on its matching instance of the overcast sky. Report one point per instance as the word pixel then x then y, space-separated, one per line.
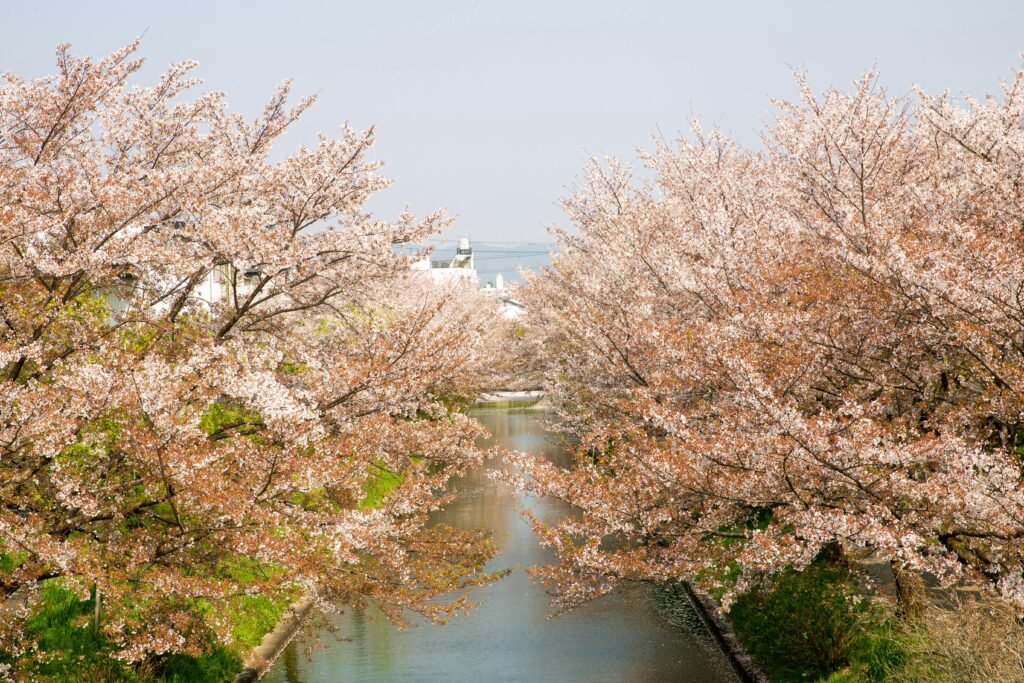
pixel 490 109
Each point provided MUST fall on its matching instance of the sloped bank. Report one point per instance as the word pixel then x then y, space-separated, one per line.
pixel 263 655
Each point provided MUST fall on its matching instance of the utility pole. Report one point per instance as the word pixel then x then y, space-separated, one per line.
pixel 96 617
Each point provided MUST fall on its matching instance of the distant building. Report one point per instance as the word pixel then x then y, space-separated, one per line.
pixel 510 308
pixel 462 269
pixel 226 282
pixel 459 269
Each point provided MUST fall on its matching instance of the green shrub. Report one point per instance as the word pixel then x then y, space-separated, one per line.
pixel 217 665
pixel 803 625
pixel 63 627
pixel 881 648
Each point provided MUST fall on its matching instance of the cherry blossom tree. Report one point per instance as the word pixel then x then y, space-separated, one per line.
pixel 770 354
pixel 155 437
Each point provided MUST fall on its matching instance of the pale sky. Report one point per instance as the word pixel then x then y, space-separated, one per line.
pixel 489 109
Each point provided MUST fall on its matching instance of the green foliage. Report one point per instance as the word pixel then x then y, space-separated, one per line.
pixel 64 630
pixel 218 665
pixel 804 625
pixel 245 569
pixel 95 439
pixel 90 308
pixel 456 403
pixel 223 418
pixel 317 499
pixel 63 627
pixel 252 616
pixel 754 519
pixel 725 576
pixel 138 339
pixel 380 482
pixel 293 367
pixel 880 649
pixel 11 561
pixel 1018 441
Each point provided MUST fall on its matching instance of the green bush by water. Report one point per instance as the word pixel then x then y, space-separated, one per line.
pixel 64 628
pixel 804 625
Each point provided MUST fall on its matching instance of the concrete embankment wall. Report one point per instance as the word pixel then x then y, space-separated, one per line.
pixel 721 630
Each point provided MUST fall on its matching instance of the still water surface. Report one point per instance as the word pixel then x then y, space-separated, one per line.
pixel 629 637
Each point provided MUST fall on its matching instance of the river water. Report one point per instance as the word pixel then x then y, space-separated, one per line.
pixel 628 637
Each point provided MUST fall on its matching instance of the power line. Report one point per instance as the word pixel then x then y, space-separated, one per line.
pixel 438 240
pixel 501 258
pixel 511 252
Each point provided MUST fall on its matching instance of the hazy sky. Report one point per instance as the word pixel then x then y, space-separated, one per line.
pixel 490 109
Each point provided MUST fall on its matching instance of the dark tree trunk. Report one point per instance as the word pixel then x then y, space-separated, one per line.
pixel 832 553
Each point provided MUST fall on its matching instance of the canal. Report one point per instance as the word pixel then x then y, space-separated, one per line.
pixel 629 637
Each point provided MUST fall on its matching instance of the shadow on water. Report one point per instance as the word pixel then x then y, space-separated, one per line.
pixel 632 636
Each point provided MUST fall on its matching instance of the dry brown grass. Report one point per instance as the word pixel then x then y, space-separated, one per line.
pixel 976 640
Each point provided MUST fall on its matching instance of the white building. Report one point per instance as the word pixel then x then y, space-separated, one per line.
pixel 459 269
pixel 510 308
pixel 224 282
pixel 462 269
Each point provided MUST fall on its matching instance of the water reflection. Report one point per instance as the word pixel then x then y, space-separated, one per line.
pixel 620 638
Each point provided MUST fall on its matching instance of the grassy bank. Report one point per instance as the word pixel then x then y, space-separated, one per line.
pixel 62 625
pixel 824 624
pixel 63 628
